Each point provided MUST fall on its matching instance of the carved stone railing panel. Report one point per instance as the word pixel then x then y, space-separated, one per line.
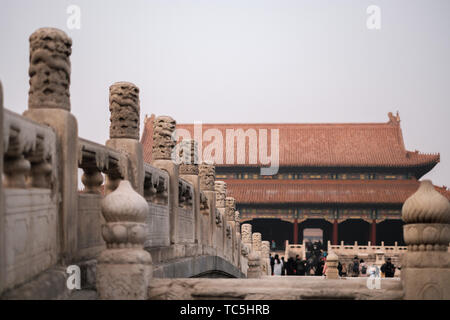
pixel 186 214
pixel 156 192
pixel 95 159
pixel 367 252
pixel 31 233
pixel 29 153
pixel 158 226
pixel 89 223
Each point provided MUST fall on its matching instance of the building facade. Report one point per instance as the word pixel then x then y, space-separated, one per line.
pixel 350 180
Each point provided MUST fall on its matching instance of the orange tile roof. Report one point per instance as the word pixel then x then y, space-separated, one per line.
pixel 327 145
pixel 321 191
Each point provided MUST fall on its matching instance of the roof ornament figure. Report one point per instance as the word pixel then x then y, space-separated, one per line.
pixel 394 119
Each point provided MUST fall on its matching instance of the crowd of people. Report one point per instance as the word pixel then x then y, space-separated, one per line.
pixel 297 266
pixel 315 265
pixel 358 268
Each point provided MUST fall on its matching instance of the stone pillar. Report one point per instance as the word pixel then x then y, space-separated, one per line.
pixel 124 269
pixel 238 250
pixel 426 265
pixel 163 144
pixel 220 188
pixel 245 251
pixel 207 174
pixel 230 210
pixel 332 271
pixel 49 103
pixel 189 171
pixel 265 259
pixel 124 130
pixel 265 249
pixel 246 234
pixel 221 193
pixel 49 69
pixel 379 258
pixel 335 232
pixel 254 265
pixel 256 242
pixel 237 221
pixel 295 231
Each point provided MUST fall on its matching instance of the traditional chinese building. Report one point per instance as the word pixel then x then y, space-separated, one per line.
pixel 350 180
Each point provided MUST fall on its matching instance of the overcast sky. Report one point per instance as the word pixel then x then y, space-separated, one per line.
pixel 249 61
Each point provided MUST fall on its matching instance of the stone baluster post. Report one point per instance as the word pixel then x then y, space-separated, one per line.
pixel 230 213
pixel 207 173
pixel 221 193
pixel 426 265
pixel 237 221
pixel 124 269
pixel 254 265
pixel 49 103
pixel 256 241
pixel 220 188
pixel 124 132
pixel 256 245
pixel 163 145
pixel 230 210
pixel 246 236
pixel 286 249
pixel 265 259
pixel 245 251
pixel 332 271
pixel 379 258
pixel 246 233
pixel 189 171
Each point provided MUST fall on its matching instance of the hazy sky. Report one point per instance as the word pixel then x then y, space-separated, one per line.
pixel 249 61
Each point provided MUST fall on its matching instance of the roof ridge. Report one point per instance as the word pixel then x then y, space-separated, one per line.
pixel 320 181
pixel 353 124
pixel 423 153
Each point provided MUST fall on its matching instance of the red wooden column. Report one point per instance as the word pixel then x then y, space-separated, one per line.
pixel 373 233
pixel 335 232
pixel 295 231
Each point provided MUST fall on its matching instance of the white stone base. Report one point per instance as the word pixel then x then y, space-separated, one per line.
pixel 123 274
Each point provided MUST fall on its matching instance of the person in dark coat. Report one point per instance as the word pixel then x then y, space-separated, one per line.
pixel 290 267
pixel 300 266
pixel 309 266
pixel 283 270
pixel 319 268
pixel 355 267
pixel 272 262
pixel 388 269
pixel 339 267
